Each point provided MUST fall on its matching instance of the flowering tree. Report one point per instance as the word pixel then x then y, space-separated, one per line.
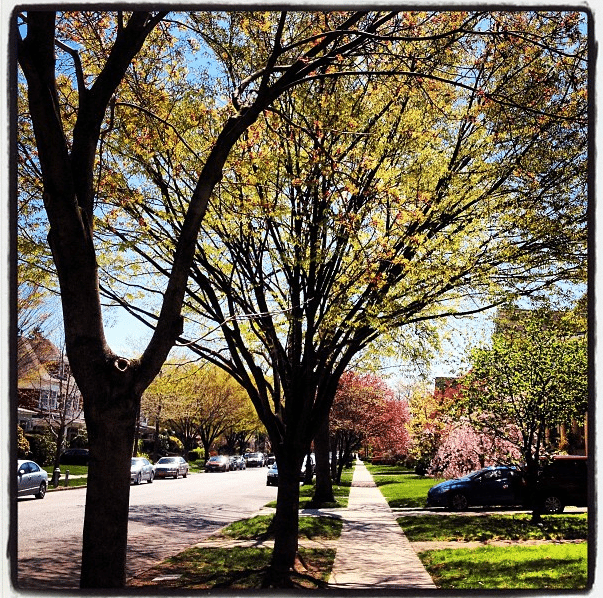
pixel 463 449
pixel 393 438
pixel 429 419
pixel 359 413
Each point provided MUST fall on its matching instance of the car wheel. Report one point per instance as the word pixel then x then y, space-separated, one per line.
pixel 552 505
pixel 138 479
pixel 458 502
pixel 150 480
pixel 42 491
pixel 185 473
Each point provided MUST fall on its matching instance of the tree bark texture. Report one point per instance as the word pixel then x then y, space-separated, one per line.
pixel 110 436
pixel 285 523
pixel 323 492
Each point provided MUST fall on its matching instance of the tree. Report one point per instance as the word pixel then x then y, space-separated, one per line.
pixel 462 141
pixel 244 426
pixel 218 399
pixel 463 449
pixel 531 378
pixel 355 207
pixel 71 106
pixel 169 403
pixel 359 414
pixel 393 438
pixel 68 407
pixel 429 419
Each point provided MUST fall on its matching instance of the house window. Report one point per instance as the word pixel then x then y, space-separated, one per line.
pixel 26 424
pixel 48 399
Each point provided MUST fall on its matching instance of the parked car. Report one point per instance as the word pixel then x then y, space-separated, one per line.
pixel 217 463
pixel 254 459
pixel 31 479
pixel 141 469
pixel 272 475
pixel 75 456
pixel 500 485
pixel 171 467
pixel 563 481
pixel 236 462
pixel 269 460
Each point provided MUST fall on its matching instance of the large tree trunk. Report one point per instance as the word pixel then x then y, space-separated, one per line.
pixel 323 491
pixel 285 524
pixel 110 436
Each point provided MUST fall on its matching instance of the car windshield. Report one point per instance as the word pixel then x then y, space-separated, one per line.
pixel 167 460
pixel 477 473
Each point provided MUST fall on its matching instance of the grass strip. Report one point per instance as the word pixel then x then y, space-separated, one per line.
pixel 542 567
pixel 74 470
pixel 400 486
pixel 312 528
pixel 341 493
pixel 407 490
pixel 244 568
pixel 235 568
pixel 388 469
pixel 466 528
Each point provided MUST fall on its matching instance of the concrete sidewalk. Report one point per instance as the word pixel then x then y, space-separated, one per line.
pixel 373 553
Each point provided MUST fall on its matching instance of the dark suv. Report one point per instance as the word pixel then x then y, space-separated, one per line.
pixel 563 481
pixel 75 456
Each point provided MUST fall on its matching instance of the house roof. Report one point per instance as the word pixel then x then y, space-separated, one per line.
pixel 36 361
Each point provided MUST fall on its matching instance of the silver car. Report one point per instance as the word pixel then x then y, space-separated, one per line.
pixel 171 467
pixel 31 479
pixel 141 469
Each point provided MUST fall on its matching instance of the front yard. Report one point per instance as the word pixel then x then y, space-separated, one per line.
pixel 484 550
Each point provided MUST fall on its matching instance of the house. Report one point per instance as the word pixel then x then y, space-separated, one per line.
pixel 47 394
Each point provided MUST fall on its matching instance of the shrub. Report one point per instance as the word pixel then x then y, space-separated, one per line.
pixel 194 455
pixel 22 444
pixel 42 448
pixel 79 441
pixel 175 445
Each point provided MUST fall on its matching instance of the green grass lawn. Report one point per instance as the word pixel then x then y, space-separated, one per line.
pixel 534 567
pixel 244 567
pixel 541 567
pixel 196 466
pixel 75 473
pixel 325 528
pixel 401 487
pixel 341 492
pixel 445 528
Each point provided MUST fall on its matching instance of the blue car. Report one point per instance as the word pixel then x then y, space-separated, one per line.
pixel 500 485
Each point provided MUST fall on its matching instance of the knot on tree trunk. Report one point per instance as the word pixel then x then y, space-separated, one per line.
pixel 121 364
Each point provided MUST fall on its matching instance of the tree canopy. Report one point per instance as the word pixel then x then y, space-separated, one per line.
pixel 350 173
pixel 532 379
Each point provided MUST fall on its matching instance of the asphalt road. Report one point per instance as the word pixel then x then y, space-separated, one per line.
pixel 165 517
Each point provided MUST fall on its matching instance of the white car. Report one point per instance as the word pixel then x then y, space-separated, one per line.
pixel 31 479
pixel 171 467
pixel 141 469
